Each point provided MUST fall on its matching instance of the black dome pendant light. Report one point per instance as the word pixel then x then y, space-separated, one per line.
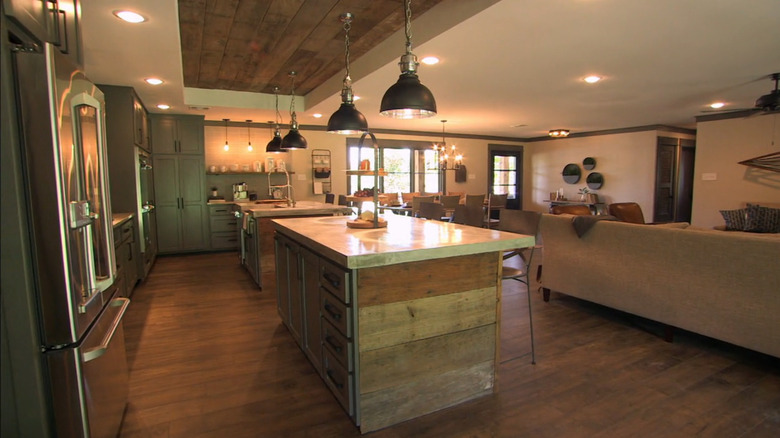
pixel 408 98
pixel 347 119
pixel 293 139
pixel 275 145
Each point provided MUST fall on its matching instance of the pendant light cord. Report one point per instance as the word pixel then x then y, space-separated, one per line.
pixel 408 29
pixel 278 116
pixel 294 121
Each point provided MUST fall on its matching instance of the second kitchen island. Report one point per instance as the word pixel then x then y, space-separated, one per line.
pixel 399 321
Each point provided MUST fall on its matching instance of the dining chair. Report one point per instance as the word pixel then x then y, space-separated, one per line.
pixel 468 215
pixel 406 198
pixel 521 222
pixel 475 200
pixel 577 210
pixel 495 202
pixel 431 210
pixel 330 198
pixel 416 201
pixel 627 212
pixel 343 200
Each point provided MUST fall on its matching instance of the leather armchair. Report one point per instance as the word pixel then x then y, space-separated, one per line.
pixel 627 212
pixel 579 210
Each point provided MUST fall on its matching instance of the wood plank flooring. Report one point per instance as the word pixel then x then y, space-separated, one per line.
pixel 209 357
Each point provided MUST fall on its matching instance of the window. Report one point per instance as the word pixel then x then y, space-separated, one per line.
pixel 410 166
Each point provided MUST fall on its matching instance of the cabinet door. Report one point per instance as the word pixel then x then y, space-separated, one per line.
pixel 312 336
pixel 164 135
pixel 296 291
pixel 193 199
pixel 190 135
pixel 167 203
pixel 65 33
pixel 282 279
pixel 139 125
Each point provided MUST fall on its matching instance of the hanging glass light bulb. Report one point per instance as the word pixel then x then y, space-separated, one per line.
pixel 408 98
pixel 227 146
pixel 275 145
pixel 347 119
pixel 249 136
pixel 293 139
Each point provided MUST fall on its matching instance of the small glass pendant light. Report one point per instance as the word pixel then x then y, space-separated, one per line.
pixel 275 145
pixel 249 136
pixel 227 146
pixel 347 119
pixel 408 98
pixel 293 139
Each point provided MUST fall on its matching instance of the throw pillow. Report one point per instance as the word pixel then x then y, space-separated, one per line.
pixel 762 219
pixel 736 220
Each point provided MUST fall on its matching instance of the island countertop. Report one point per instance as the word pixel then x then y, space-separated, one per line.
pixel 302 208
pixel 405 239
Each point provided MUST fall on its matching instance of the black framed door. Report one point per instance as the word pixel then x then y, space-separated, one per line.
pixel 505 173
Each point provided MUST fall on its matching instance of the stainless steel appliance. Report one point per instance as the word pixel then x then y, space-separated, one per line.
pixel 146 218
pixel 79 317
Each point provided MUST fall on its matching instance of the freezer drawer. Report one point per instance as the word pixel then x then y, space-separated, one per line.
pixel 95 407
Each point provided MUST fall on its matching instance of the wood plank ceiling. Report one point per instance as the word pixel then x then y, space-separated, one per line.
pixel 252 45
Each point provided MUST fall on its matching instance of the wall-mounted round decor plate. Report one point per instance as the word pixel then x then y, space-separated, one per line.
pixel 589 163
pixel 595 180
pixel 571 173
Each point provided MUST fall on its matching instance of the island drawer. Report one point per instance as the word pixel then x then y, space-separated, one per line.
pixel 224 240
pixel 335 280
pixel 336 313
pixel 339 346
pixel 224 223
pixel 339 381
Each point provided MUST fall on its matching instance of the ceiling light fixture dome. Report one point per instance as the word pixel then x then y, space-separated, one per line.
pixel 275 145
pixel 408 98
pixel 558 133
pixel 347 119
pixel 293 139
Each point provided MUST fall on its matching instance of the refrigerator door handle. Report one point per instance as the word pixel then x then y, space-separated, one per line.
pixel 96 352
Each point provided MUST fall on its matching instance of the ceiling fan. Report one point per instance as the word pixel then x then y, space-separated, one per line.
pixel 767 102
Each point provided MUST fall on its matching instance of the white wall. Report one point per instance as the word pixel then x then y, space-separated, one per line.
pixel 720 145
pixel 626 161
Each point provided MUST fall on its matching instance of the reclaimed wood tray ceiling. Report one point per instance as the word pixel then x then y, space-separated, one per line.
pixel 252 45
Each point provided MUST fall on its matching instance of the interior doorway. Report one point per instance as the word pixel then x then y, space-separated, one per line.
pixel 674 179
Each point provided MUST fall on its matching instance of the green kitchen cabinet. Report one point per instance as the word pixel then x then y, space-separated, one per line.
pixel 177 134
pixel 182 213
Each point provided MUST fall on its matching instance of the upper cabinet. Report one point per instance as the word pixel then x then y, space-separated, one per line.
pixel 141 126
pixel 177 134
pixel 54 21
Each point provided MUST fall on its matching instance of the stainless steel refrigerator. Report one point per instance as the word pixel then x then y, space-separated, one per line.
pixel 79 317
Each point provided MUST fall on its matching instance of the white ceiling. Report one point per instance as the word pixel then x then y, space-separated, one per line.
pixel 517 62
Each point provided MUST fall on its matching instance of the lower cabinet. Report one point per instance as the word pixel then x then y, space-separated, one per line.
pixel 313 297
pixel 126 257
pixel 224 227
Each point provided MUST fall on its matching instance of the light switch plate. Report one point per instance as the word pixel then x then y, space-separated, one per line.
pixel 709 176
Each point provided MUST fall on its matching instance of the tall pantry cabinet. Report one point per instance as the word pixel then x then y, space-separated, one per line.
pixel 179 183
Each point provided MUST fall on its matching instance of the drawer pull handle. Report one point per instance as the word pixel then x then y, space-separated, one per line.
pixel 332 342
pixel 332 279
pixel 332 379
pixel 332 312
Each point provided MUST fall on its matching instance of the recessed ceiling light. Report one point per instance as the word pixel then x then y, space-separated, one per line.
pixel 430 60
pixel 130 16
pixel 163 106
pixel 316 115
pixel 153 81
pixel 558 133
pixel 717 105
pixel 592 79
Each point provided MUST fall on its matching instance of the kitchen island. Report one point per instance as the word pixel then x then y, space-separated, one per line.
pixel 399 321
pixel 257 242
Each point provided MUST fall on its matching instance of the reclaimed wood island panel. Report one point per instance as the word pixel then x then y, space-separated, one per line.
pixel 399 321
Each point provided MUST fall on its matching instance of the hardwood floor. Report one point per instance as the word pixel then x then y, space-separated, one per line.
pixel 209 357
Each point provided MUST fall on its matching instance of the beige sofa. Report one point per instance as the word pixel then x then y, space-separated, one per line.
pixel 725 285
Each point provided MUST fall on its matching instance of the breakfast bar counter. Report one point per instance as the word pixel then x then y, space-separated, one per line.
pixel 398 321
